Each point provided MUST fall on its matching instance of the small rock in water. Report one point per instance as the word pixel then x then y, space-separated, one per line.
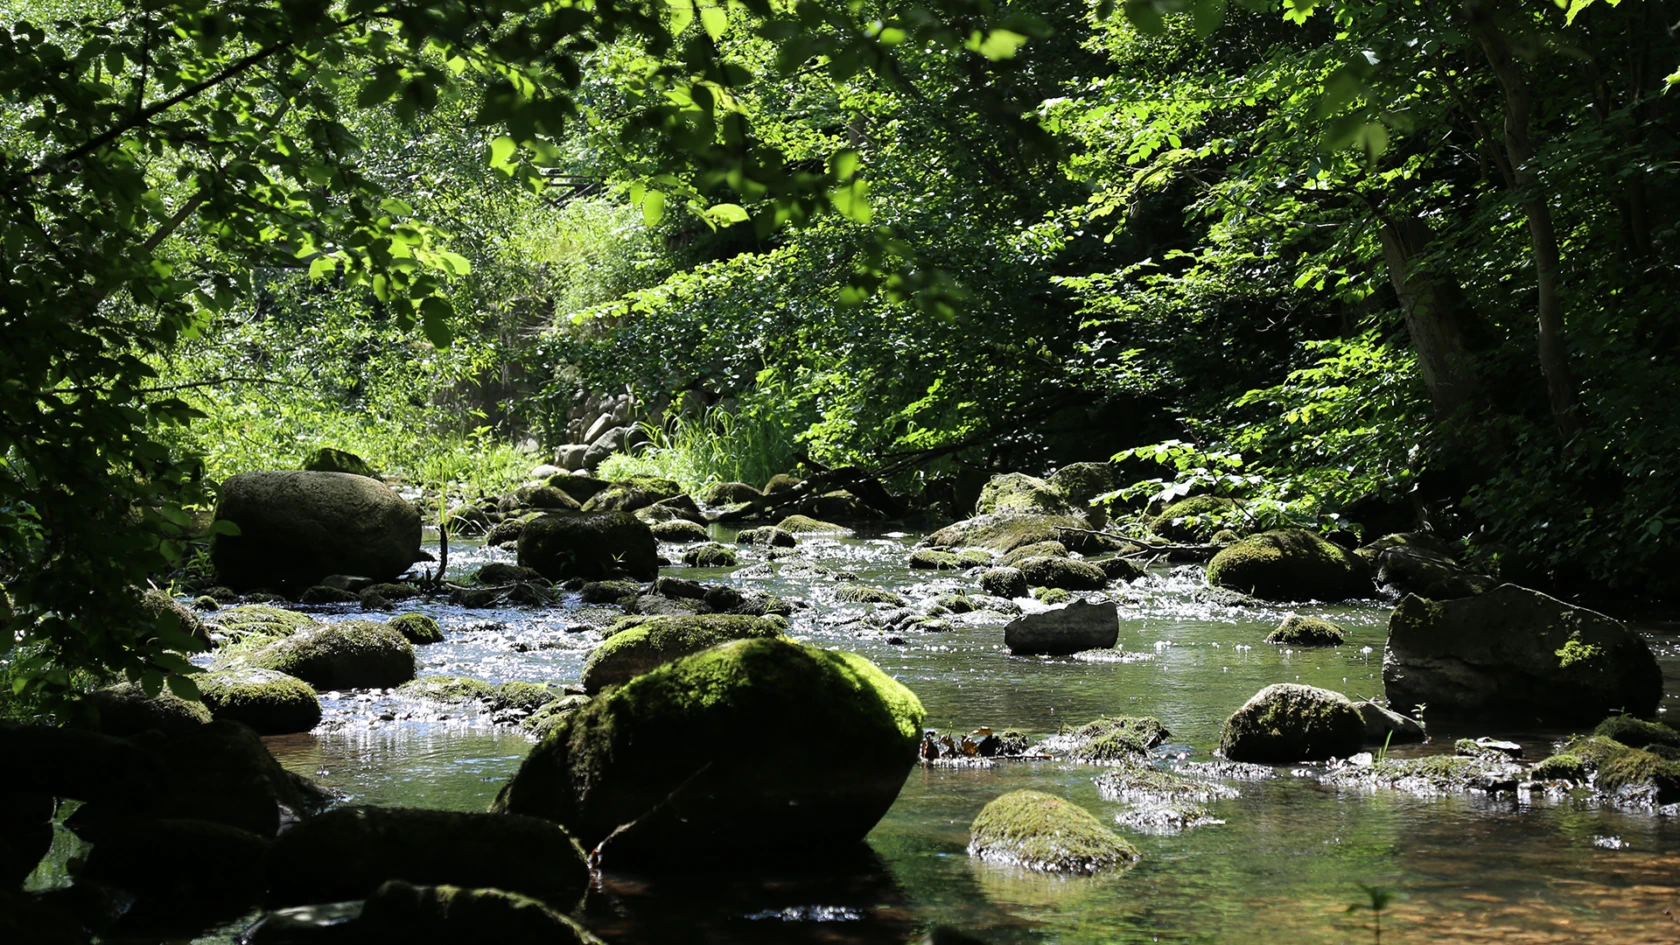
pixel 1078 626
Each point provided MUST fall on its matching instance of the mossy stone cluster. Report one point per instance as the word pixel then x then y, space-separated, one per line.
pixel 1040 832
pixel 782 482
pixel 656 641
pixel 1290 564
pixel 327 459
pixel 1052 596
pixel 1287 722
pixel 1007 583
pixel 1297 630
pixel 1064 573
pixel 729 493
pixel 1018 492
pixel 631 494
pixel 924 559
pixel 1004 532
pixel 352 654
pixel 526 697
pixel 1194 519
pixel 449 689
pixel 417 629
pixel 271 703
pixel 738 743
pixel 125 709
pixel 710 555
pixel 1038 549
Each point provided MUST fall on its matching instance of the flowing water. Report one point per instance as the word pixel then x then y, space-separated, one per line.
pixel 1288 862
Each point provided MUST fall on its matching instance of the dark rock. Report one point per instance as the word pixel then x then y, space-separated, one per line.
pixel 1007 583
pixel 1290 564
pixel 1384 725
pixel 550 499
pixel 321 594
pixel 1064 573
pixel 26 834
pixel 805 525
pixel 270 703
pixel 1121 569
pixel 610 592
pixel 1003 532
pixel 1287 722
pixel 1418 563
pixel 125 709
pixel 660 640
pixel 75 763
pixel 298 527
pixel 631 494
pixel 595 545
pixel 1515 652
pixel 632 753
pixel 782 482
pixel 1039 549
pixel 500 572
pixel 525 697
pixel 580 488
pixel 729 493
pixel 180 861
pixel 327 459
pixel 1078 626
pixel 349 852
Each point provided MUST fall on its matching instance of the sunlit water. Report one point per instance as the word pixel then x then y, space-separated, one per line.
pixel 1286 865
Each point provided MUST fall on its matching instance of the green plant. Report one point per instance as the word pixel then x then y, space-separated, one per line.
pixel 1377 900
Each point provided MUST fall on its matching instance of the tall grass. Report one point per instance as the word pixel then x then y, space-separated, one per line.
pixel 718 446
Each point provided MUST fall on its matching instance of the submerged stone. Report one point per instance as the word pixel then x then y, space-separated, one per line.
pixel 1079 626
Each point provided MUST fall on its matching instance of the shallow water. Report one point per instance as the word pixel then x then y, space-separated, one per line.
pixel 1286 864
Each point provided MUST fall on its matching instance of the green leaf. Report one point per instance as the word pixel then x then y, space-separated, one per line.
pixel 184 687
pixel 682 14
pixel 845 163
pixel 852 200
pixel 435 313
pixel 727 213
pixel 1145 17
pixel 715 21
pixel 1001 44
pixel 322 267
pixel 653 207
pixel 1207 16
pixel 501 153
pixel 222 526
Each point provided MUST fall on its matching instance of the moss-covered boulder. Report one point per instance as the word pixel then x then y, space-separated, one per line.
pixel 1038 549
pixel 167 611
pixel 710 555
pixel 805 525
pixel 398 912
pixel 592 545
pixel 1121 569
pixel 1640 777
pixel 324 594
pixel 1638 733
pixel 1287 722
pixel 723 753
pixel 270 703
pixel 448 689
pixel 1007 583
pixel 417 629
pixel 1080 483
pixel 1052 596
pixel 926 559
pixel 352 654
pixel 1018 492
pixel 580 487
pixel 1039 832
pixel 1003 532
pixel 349 852
pixel 768 535
pixel 782 482
pixel 507 531
pixel 1421 564
pixel 1290 564
pixel 1194 519
pixel 610 592
pixel 1297 630
pixel 864 594
pixel 729 493
pixel 839 504
pixel 1516 653
pixel 547 718
pixel 681 531
pixel 327 459
pixel 499 573
pixel 263 620
pixel 549 499
pixel 1064 573
pixel 659 640
pixel 297 527
pixel 125 709
pixel 628 495
pixel 526 697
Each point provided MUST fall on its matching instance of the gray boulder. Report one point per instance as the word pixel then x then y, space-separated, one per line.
pixel 1415 563
pixel 297 527
pixel 1384 725
pixel 1516 652
pixel 1288 722
pixel 570 457
pixel 1079 626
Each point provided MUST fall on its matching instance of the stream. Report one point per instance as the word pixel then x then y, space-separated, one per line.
pixel 1288 861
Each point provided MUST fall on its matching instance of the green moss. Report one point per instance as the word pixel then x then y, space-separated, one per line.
pixel 782 482
pixel 1018 492
pixel 1038 549
pixel 269 702
pixel 955 603
pixel 1051 596
pixel 1079 483
pixel 417 628
pixel 1195 518
pixel 729 493
pixel 525 697
pixel 125 709
pixel 628 495
pixel 1637 733
pixel 1574 652
pixel 1146 730
pixel 204 603
pixel 805 525
pixel 711 555
pixel 1044 833
pixel 327 459
pixel 768 535
pixel 753 714
pixel 659 640
pixel 1560 767
pixel 263 620
pixel 1290 564
pixel 1003 532
pixel 610 592
pixel 974 558
pixel 545 719
pixel 1595 750
pixel 1286 722
pixel 1064 573
pixel 1636 769
pixel 680 531
pixel 449 689
pixel 351 654
pixel 1307 631
pixel 925 560
pixel 862 594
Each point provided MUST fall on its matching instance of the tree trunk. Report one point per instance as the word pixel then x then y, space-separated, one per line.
pixel 1434 308
pixel 1531 199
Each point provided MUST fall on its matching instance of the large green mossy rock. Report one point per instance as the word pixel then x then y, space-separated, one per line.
pixel 352 654
pixel 349 852
pixel 590 545
pixel 1018 492
pixel 125 709
pixel 1290 564
pixel 1064 573
pixel 270 703
pixel 753 748
pixel 729 493
pixel 660 640
pixel 628 495
pixel 1288 722
pixel 1297 630
pixel 1002 532
pixel 1194 519
pixel 418 629
pixel 297 527
pixel 1516 653
pixel 262 620
pixel 1039 832
pixel 327 459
